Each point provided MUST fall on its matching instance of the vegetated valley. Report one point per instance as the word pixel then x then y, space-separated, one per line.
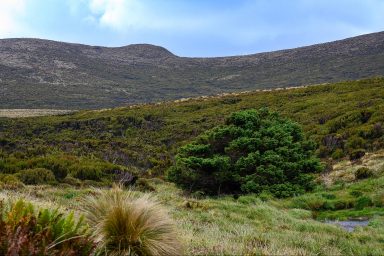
pixel 192 180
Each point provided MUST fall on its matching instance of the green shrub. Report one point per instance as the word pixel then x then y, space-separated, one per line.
pixel 86 172
pixel 338 154
pixel 198 194
pixel 254 151
pixel 144 185
pixel 249 199
pixel 329 205
pixel 72 181
pixel 25 231
pixel 9 181
pixel 343 204
pixel 356 193
pixel 363 202
pixel 378 199
pixel 265 196
pixel 355 142
pixel 309 202
pixel 363 173
pixel 36 176
pixel 356 154
pixel 328 196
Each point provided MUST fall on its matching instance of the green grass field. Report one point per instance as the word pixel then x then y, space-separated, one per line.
pixel 244 226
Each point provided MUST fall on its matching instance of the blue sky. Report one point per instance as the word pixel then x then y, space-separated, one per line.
pixel 193 27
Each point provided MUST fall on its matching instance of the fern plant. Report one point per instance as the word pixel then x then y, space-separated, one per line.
pixel 27 231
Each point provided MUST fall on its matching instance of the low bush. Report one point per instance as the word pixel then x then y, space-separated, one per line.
pixel 356 154
pixel 363 173
pixel 355 142
pixel 328 196
pixel 143 184
pixel 9 181
pixel 378 199
pixel 198 195
pixel 265 196
pixel 343 204
pixel 338 154
pixel 309 202
pixel 36 176
pixel 249 199
pixel 329 205
pixel 86 172
pixel 356 193
pixel 72 181
pixel 362 202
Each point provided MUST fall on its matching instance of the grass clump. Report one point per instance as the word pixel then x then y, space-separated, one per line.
pixel 127 224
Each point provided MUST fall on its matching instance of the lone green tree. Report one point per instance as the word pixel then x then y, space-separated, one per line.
pixel 254 151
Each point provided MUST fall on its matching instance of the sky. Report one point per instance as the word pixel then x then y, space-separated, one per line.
pixel 193 28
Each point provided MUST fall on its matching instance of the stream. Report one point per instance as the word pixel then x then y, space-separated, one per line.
pixel 348 225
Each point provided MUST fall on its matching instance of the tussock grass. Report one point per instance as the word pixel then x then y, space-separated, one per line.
pixel 246 226
pixel 125 223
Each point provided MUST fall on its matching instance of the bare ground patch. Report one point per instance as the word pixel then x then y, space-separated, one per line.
pixel 15 113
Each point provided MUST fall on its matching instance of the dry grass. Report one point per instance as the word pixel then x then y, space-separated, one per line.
pixel 16 113
pixel 345 170
pixel 127 224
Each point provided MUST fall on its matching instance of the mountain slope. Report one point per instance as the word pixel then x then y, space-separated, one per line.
pixel 38 73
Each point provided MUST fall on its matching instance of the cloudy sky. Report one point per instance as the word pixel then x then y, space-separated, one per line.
pixel 192 27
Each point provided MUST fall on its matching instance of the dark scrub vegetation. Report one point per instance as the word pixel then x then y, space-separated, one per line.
pixel 254 152
pixel 345 120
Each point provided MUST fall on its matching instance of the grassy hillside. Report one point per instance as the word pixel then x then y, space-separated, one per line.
pixel 64 156
pixel 54 75
pixel 343 118
pixel 246 226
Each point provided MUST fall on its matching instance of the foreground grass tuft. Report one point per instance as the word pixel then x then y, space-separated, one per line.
pixel 125 223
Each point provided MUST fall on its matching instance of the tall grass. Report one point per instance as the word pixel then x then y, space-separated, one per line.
pixel 125 223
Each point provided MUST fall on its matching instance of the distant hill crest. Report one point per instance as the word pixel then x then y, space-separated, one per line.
pixel 36 73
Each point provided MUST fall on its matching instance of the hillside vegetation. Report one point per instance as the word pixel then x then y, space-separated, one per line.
pixel 54 75
pixel 54 163
pixel 344 119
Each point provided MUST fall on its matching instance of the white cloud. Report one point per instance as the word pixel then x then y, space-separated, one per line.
pixel 123 15
pixel 75 5
pixel 10 13
pixel 118 14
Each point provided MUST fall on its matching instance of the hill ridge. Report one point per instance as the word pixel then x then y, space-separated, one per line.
pixel 38 73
